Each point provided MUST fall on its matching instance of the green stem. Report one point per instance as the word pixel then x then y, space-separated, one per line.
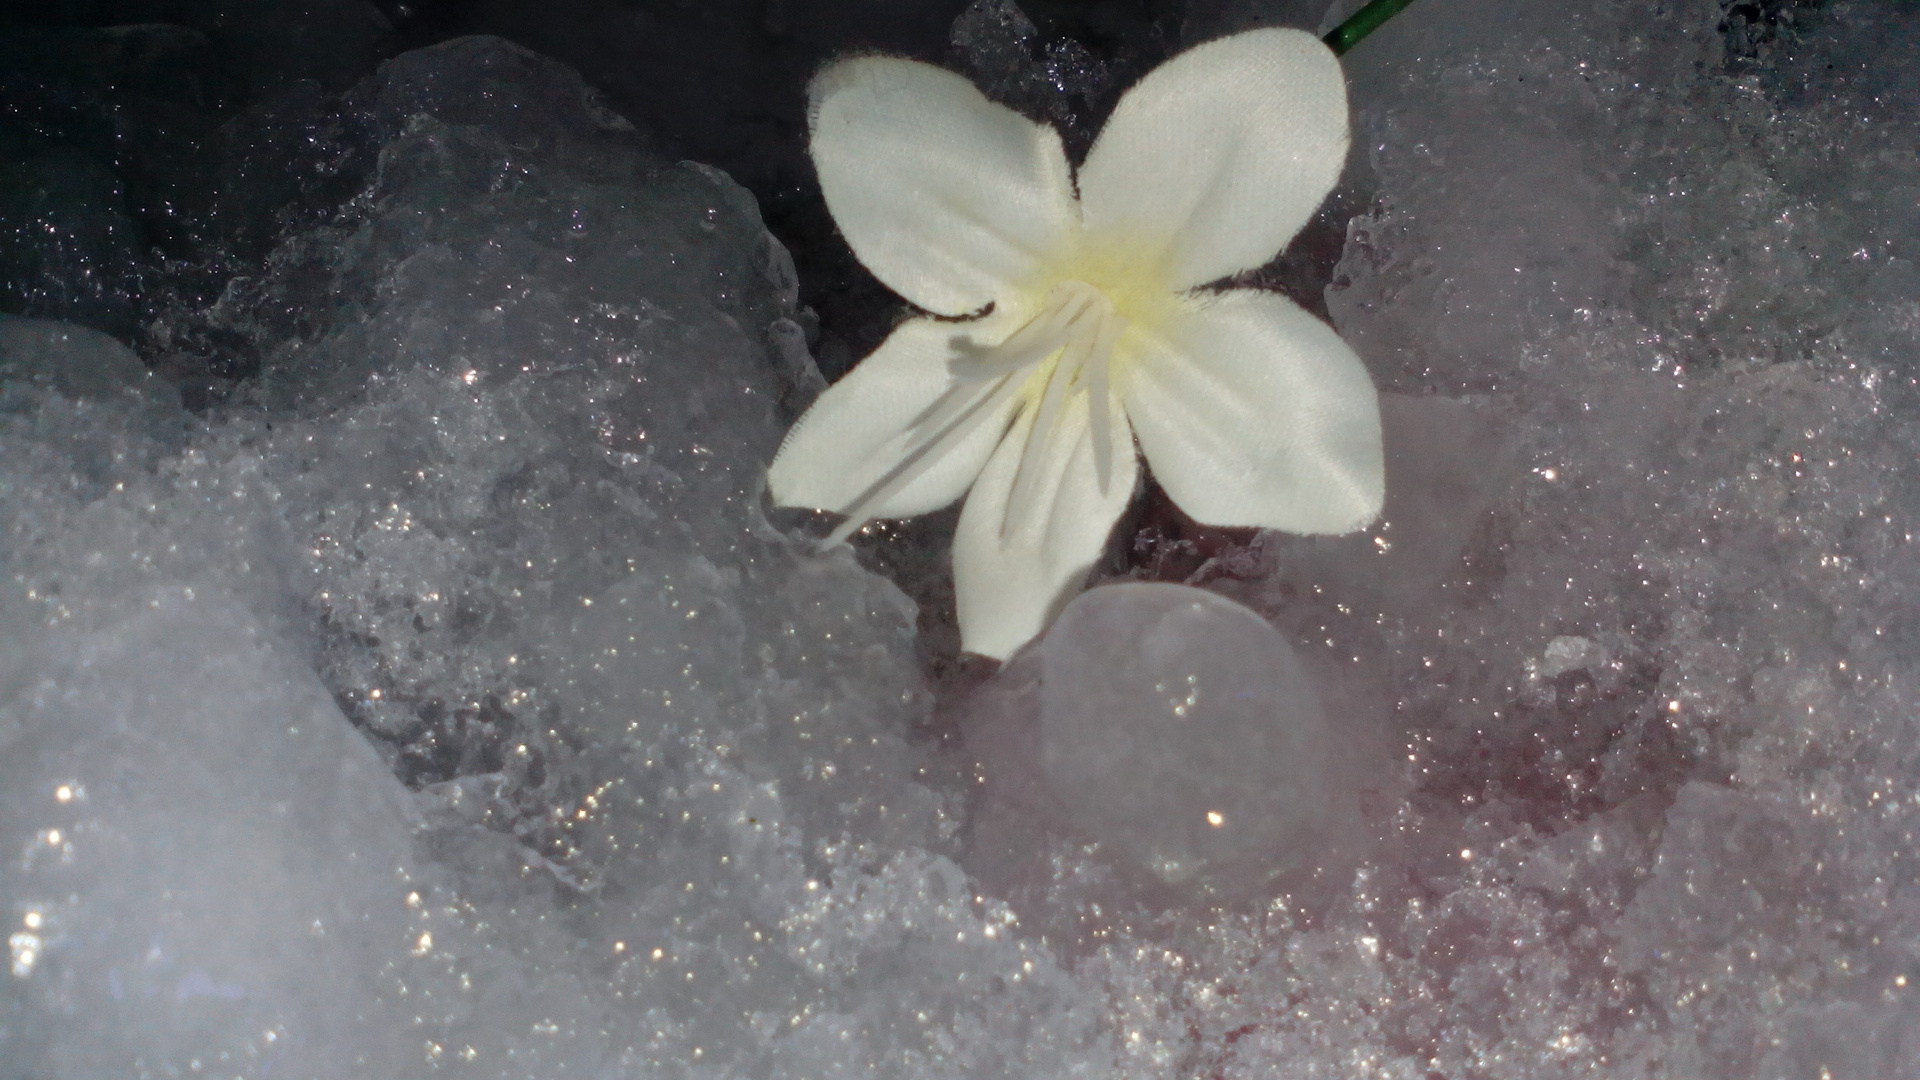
pixel 1361 23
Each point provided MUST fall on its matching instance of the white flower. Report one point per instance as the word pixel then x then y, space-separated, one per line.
pixel 1065 326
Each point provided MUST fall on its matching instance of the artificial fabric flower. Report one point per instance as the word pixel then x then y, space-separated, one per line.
pixel 1067 319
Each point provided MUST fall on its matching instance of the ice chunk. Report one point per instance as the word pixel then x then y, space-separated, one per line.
pixel 1567 653
pixel 1179 728
pixel 488 82
pixel 519 433
pixel 503 489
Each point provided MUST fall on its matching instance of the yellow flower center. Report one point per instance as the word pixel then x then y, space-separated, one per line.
pixel 1105 290
pixel 1096 299
pixel 1127 269
pixel 1101 293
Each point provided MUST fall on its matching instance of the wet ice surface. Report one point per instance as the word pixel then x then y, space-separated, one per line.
pixel 1178 733
pixel 446 704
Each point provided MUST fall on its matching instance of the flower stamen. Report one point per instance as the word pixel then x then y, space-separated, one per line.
pixel 1025 479
pixel 1037 338
pixel 1074 332
pixel 1099 403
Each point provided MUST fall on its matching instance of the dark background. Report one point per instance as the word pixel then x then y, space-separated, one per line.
pixel 153 150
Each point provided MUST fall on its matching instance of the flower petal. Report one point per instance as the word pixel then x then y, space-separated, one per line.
pixel 864 426
pixel 1222 153
pixel 947 197
pixel 1011 577
pixel 1252 412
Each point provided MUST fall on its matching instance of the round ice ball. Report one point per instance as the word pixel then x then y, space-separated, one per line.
pixel 1179 730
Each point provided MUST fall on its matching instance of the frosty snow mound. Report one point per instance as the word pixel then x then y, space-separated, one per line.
pixel 498 520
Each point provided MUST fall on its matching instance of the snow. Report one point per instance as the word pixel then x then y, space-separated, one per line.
pixel 216 872
pixel 439 698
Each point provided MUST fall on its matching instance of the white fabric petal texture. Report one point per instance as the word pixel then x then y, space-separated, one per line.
pixel 1011 578
pixel 948 198
pixel 864 426
pixel 1250 411
pixel 1222 153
